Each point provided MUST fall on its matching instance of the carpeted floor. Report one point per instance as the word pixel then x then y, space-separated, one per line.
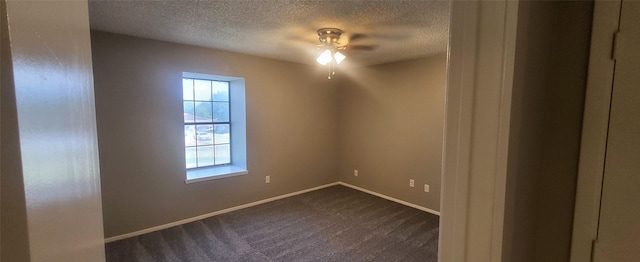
pixel 331 224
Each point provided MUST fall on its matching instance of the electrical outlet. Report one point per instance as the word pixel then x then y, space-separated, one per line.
pixel 411 182
pixel 267 179
pixel 355 172
pixel 426 188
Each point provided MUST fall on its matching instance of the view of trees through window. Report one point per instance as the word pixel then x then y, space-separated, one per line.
pixel 207 127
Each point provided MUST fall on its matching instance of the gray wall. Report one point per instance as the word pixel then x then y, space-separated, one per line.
pixel 49 142
pixel 391 127
pixel 291 130
pixel 549 84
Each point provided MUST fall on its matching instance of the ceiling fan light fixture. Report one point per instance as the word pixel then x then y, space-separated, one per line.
pixel 338 57
pixel 330 43
pixel 325 57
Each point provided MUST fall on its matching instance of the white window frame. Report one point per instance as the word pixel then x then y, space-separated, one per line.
pixel 238 136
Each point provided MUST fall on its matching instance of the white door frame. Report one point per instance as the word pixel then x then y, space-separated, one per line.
pixel 595 124
pixel 478 106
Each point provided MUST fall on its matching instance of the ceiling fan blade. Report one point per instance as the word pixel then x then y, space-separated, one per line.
pixel 362 47
pixel 391 36
pixel 357 36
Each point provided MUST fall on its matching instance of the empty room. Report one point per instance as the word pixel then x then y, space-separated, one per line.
pixel 300 130
pixel 209 107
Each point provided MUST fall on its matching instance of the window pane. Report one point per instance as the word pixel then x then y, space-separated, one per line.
pixel 203 111
pixel 189 135
pixel 203 90
pixel 206 101
pixel 223 154
pixel 220 91
pixel 205 156
pixel 204 134
pixel 187 89
pixel 221 134
pixel 221 111
pixel 190 157
pixel 188 112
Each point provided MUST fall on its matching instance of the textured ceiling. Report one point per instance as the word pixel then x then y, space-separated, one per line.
pixel 284 30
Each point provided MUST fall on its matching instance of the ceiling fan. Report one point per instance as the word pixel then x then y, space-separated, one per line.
pixel 330 43
pixel 331 36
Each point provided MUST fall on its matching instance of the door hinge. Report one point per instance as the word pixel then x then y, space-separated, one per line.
pixel 614 47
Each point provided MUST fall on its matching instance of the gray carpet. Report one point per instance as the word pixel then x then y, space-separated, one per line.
pixel 331 224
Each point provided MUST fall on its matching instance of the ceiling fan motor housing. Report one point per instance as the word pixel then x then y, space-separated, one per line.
pixel 329 36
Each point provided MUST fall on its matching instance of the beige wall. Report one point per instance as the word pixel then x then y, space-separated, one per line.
pixel 293 114
pixel 291 130
pixel 549 84
pixel 48 120
pixel 391 124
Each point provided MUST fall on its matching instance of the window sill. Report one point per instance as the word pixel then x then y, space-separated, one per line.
pixel 210 173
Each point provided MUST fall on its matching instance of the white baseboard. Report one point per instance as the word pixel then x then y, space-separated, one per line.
pixel 391 198
pixel 196 218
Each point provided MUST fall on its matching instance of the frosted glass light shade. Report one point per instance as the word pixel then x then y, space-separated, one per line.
pixel 324 58
pixel 338 57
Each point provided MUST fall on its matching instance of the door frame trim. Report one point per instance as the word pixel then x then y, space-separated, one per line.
pixel 478 109
pixel 595 126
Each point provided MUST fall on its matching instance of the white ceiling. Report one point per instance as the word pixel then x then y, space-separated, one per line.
pixel 284 29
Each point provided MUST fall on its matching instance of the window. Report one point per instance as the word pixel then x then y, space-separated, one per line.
pixel 207 125
pixel 214 126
